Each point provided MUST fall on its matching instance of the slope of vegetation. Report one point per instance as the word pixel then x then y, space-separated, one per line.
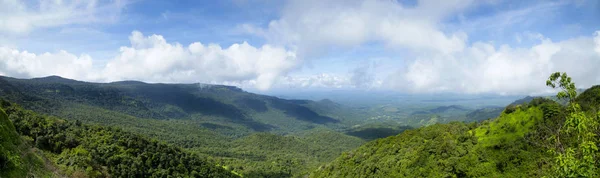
pixel 442 150
pixel 94 151
pixel 17 158
pixel 211 120
pixel 271 155
pixel 590 99
pixel 538 138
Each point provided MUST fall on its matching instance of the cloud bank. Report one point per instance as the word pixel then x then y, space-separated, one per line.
pixel 153 59
pixel 313 24
pixel 25 64
pixel 433 41
pixel 440 60
pixel 482 67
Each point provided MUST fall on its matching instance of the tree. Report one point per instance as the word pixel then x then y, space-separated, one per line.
pixel 576 157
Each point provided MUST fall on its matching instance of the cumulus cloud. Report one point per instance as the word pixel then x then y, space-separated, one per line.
pixel 310 25
pixel 25 64
pixel 482 67
pixel 153 59
pixel 21 17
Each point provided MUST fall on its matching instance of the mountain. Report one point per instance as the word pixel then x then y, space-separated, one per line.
pixel 447 150
pixel 494 111
pixel 224 104
pixel 527 99
pixel 484 114
pixel 590 99
pixel 215 121
pixel 528 139
pixel 443 110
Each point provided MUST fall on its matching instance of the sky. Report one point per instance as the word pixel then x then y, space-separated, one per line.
pixel 410 46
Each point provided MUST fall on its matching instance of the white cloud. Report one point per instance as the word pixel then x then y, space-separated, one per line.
pixel 443 60
pixel 597 40
pixel 24 64
pixel 322 80
pixel 153 59
pixel 483 67
pixel 311 25
pixel 21 17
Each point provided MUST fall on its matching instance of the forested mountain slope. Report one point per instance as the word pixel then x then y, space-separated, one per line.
pixel 215 121
pixel 537 138
pixel 223 104
pixel 80 150
pixel 17 158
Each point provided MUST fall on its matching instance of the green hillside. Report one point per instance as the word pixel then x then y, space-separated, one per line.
pixel 535 138
pixel 78 150
pixel 498 148
pixel 17 156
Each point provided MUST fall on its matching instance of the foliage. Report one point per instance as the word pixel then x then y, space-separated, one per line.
pixel 271 155
pixel 492 149
pixel 97 151
pixel 576 156
pixel 16 158
pixel 9 139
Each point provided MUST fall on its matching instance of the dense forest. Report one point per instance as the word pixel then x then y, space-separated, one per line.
pixel 75 150
pixel 56 127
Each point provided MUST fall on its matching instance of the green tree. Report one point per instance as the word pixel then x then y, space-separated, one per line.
pixel 576 156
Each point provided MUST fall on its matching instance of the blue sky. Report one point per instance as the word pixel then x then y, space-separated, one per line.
pixel 422 46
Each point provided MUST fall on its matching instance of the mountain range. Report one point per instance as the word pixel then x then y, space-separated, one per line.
pixel 231 132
